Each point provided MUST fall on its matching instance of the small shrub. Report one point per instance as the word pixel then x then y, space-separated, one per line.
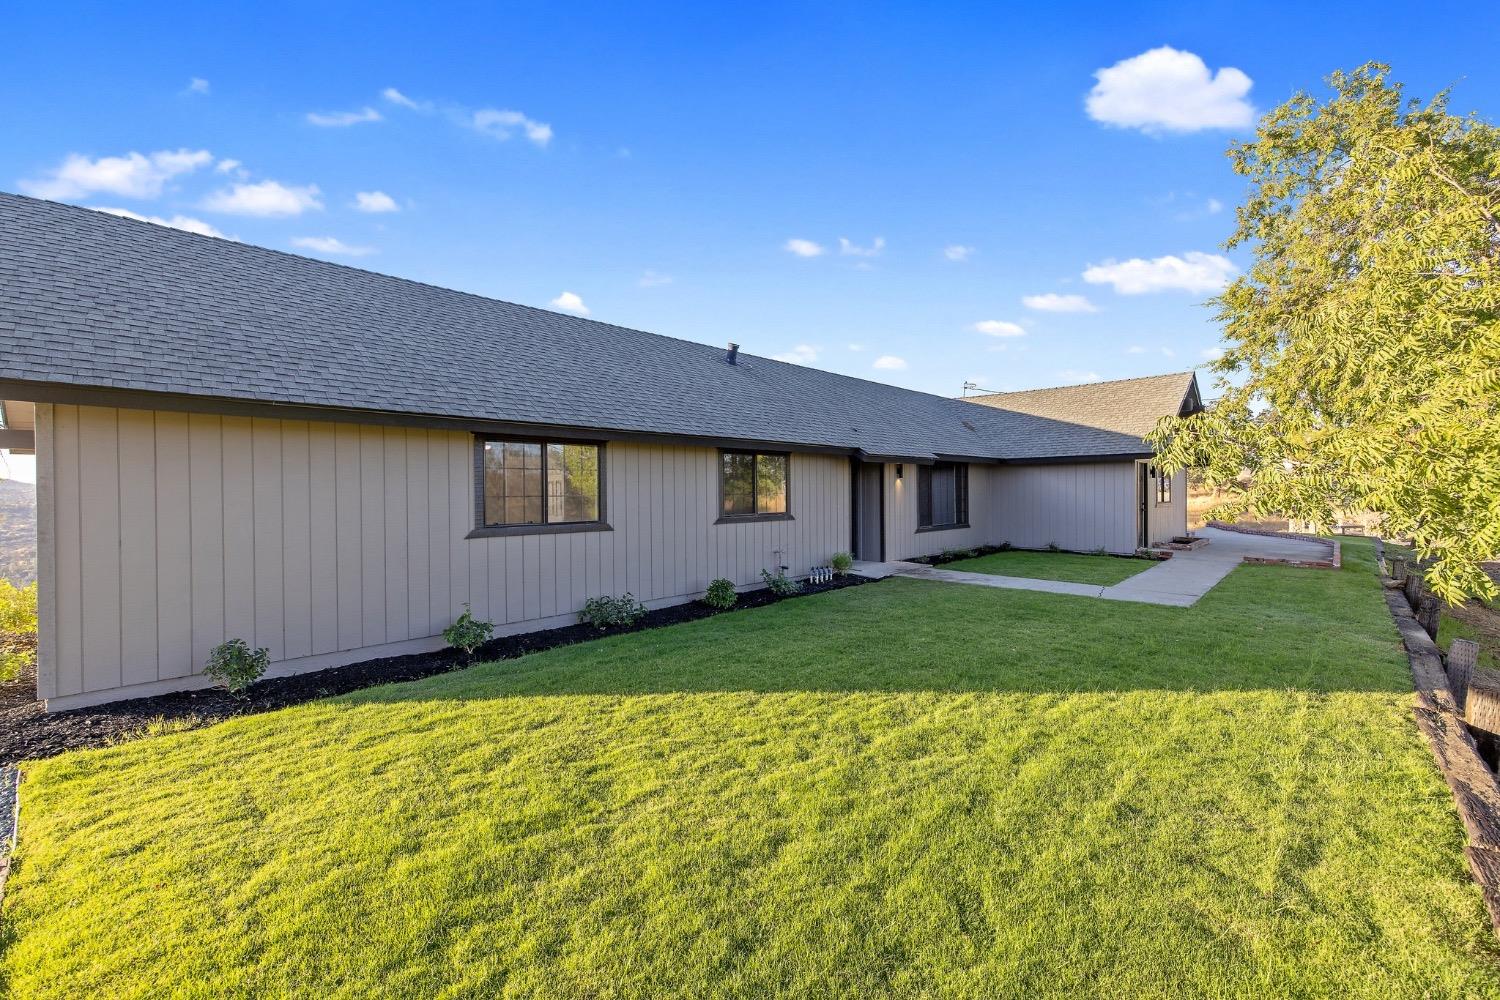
pixel 1003 547
pixel 606 612
pixel 721 594
pixel 1101 551
pixel 781 585
pixel 235 665
pixel 468 633
pixel 841 563
pixel 1052 547
pixel 951 555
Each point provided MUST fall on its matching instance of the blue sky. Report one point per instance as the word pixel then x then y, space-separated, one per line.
pixel 657 161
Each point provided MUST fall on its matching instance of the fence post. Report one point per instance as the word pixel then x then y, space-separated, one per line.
pixel 1398 571
pixel 1430 615
pixel 1463 657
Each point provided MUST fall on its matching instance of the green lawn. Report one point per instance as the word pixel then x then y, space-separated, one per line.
pixel 1106 571
pixel 904 789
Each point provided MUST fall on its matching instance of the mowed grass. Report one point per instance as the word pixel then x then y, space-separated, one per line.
pixel 1106 571
pixel 905 789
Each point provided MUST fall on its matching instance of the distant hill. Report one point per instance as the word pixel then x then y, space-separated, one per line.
pixel 17 531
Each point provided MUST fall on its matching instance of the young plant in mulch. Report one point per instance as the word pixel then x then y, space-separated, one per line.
pixel 611 612
pixel 781 585
pixel 468 633
pixel 235 666
pixel 841 563
pixel 721 594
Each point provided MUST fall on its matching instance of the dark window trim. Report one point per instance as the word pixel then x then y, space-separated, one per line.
pixel 960 497
pixel 483 530
pixel 1163 486
pixel 785 515
pixel 942 527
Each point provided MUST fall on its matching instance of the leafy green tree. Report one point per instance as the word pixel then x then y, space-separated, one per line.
pixel 1362 360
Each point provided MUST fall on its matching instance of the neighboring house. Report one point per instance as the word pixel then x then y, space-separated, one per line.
pixel 238 443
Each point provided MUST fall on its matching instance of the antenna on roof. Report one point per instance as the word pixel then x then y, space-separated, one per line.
pixel 974 387
pixel 970 385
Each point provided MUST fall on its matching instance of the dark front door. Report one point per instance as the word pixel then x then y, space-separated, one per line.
pixel 869 512
pixel 1143 511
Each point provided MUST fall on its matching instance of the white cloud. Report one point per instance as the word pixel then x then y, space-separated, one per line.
pixel 330 245
pixel 890 363
pixel 804 248
pixel 267 198
pixel 375 201
pixel 802 354
pixel 1135 349
pixel 958 252
pixel 1052 302
pixel 342 119
pixel 1168 352
pixel 396 97
pixel 133 175
pixel 1168 90
pixel 229 167
pixel 653 279
pixel 856 347
pixel 1212 353
pixel 570 302
pixel 1000 328
pixel 197 85
pixel 852 250
pixel 503 124
pixel 1194 271
pixel 1073 377
pixel 1214 206
pixel 184 222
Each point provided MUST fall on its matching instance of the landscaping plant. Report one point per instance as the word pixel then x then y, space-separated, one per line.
pixel 781 585
pixel 1361 363
pixel 842 563
pixel 468 633
pixel 608 612
pixel 235 665
pixel 721 594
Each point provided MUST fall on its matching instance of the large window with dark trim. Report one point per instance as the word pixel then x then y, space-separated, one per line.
pixel 943 495
pixel 539 482
pixel 753 484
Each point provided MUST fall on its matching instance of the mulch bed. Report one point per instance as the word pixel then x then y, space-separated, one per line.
pixel 29 733
pixel 956 555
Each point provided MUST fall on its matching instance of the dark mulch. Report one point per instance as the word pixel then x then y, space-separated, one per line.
pixel 28 733
pixel 954 555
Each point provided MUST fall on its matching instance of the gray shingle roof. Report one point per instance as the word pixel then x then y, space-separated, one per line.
pixel 1128 406
pixel 94 300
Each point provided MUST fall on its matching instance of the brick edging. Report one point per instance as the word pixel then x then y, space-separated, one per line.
pixel 1476 789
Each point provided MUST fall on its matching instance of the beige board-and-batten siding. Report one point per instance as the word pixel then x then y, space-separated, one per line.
pixel 1081 507
pixel 162 534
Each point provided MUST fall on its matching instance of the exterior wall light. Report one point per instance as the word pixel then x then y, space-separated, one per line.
pixel 900 470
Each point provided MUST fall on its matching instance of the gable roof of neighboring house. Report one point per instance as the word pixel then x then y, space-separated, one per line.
pixel 97 305
pixel 1129 406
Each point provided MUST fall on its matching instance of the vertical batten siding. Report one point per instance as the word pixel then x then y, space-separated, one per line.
pixel 1167 520
pixel 903 540
pixel 1081 507
pixel 163 534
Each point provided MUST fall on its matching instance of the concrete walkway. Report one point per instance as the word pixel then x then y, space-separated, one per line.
pixel 1176 582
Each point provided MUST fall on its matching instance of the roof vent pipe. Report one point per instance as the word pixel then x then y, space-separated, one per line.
pixel 732 355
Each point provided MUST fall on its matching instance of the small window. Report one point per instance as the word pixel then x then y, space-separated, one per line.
pixel 539 482
pixel 1163 487
pixel 943 495
pixel 752 484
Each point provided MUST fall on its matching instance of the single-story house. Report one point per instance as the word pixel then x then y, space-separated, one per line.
pixel 234 442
